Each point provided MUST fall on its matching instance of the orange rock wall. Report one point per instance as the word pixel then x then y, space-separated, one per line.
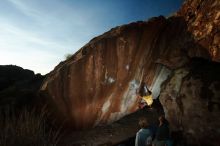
pixel 98 83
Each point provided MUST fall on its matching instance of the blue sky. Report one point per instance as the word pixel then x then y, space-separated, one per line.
pixel 36 34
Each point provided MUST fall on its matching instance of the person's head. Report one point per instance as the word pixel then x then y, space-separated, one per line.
pixel 143 90
pixel 143 122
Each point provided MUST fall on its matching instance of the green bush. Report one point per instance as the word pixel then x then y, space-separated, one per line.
pixel 68 56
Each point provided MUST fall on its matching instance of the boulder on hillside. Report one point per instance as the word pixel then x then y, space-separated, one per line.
pixel 98 84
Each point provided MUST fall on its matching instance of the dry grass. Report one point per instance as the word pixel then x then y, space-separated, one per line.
pixel 26 129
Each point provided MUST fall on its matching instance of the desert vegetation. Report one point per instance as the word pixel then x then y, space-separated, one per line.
pixel 26 128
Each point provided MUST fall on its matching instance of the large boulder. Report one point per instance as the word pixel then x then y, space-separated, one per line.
pixel 190 96
pixel 191 101
pixel 98 84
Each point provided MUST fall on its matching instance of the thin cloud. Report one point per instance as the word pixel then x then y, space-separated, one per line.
pixel 16 35
pixel 36 34
pixel 29 11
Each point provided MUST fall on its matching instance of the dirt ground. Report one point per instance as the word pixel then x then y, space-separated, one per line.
pixel 113 134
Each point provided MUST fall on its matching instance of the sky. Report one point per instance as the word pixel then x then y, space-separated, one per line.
pixel 37 34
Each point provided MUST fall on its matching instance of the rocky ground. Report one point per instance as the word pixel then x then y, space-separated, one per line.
pixel 113 134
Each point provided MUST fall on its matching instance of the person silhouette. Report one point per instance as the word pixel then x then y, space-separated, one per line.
pixel 144 135
pixel 163 132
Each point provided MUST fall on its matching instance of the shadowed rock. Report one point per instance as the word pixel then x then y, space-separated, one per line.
pixel 18 87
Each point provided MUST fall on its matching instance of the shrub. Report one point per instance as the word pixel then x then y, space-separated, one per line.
pixel 68 56
pixel 26 129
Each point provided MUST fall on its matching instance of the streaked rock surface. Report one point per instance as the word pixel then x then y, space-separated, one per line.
pixel 98 84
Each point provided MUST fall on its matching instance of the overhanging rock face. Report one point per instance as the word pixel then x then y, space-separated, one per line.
pixel 98 84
